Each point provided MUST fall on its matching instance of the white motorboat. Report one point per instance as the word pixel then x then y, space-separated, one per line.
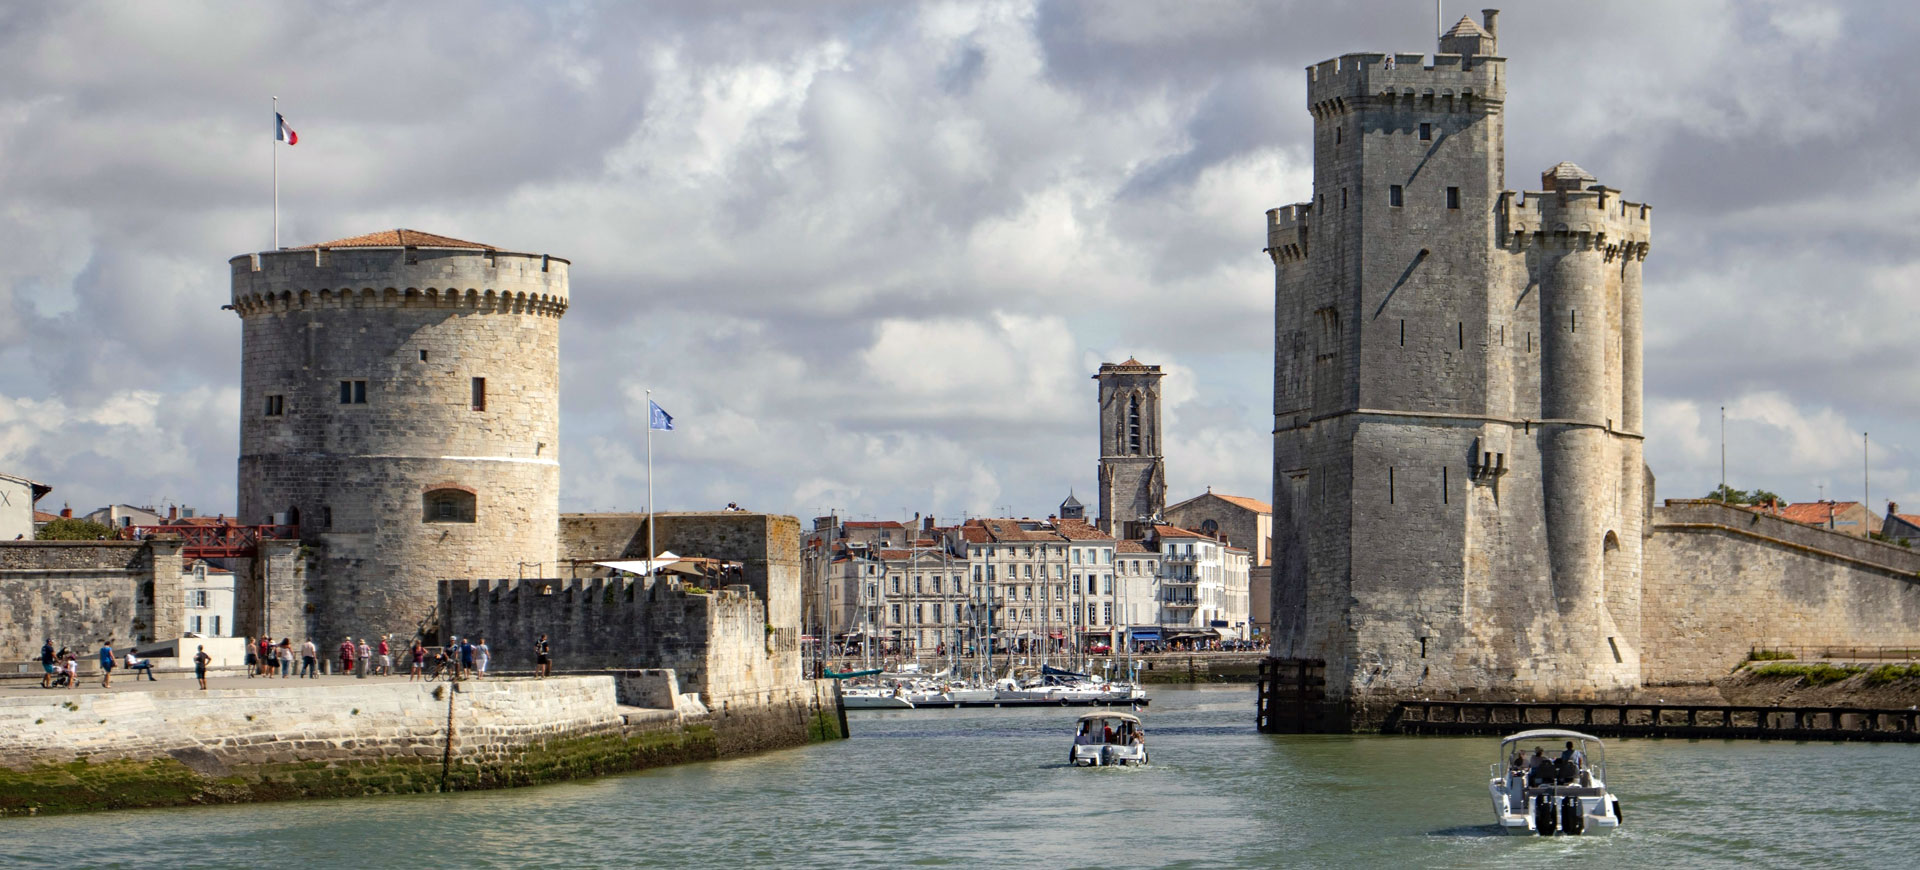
pixel 875 698
pixel 1560 793
pixel 1102 739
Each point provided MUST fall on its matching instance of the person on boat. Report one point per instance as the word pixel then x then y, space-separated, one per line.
pixel 1139 737
pixel 1518 764
pixel 1578 758
pixel 1086 736
pixel 1539 767
pixel 1107 736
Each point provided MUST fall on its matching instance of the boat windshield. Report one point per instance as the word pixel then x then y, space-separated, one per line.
pixel 1518 751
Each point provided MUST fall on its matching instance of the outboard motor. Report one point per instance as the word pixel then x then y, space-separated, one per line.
pixel 1573 816
pixel 1544 817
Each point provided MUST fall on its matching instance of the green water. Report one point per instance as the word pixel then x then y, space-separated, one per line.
pixel 987 788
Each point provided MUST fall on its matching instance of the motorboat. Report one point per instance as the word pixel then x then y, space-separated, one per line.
pixel 1103 739
pixel 1564 792
pixel 875 698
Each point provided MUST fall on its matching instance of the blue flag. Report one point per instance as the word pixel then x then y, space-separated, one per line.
pixel 658 418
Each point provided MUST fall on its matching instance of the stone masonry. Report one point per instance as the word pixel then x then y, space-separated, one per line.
pixel 80 593
pixel 401 405
pixel 1133 466
pixel 1458 481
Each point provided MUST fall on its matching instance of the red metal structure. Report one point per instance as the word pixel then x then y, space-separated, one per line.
pixel 213 541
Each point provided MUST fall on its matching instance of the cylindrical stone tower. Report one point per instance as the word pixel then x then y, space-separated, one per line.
pixel 400 404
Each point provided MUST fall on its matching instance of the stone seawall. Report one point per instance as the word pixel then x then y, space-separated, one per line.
pixel 1721 581
pixel 67 753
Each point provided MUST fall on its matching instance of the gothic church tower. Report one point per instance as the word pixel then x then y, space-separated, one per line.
pixel 1457 420
pixel 1133 471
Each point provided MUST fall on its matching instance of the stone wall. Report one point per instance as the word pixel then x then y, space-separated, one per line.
pixel 80 593
pixel 717 640
pixel 181 746
pixel 1721 581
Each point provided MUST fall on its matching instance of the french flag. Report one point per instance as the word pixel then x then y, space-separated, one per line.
pixel 282 132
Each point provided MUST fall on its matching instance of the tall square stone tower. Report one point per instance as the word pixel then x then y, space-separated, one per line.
pixel 1133 471
pixel 1458 479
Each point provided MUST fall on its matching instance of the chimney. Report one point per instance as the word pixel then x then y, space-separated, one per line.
pixel 927 524
pixel 173 513
pixel 66 512
pixel 1492 26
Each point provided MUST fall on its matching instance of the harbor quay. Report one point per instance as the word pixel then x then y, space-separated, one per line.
pixel 171 743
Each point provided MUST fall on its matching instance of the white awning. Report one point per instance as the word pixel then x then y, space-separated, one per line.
pixel 641 566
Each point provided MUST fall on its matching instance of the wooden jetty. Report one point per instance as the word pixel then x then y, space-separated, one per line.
pixel 1657 720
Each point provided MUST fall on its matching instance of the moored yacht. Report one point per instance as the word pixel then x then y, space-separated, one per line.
pixel 1560 793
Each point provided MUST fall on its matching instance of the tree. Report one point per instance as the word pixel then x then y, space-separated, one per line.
pixel 72 529
pixel 1724 493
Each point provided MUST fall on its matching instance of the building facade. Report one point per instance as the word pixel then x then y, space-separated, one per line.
pixel 1458 475
pixel 209 607
pixel 401 407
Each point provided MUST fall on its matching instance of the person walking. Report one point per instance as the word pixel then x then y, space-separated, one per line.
pixel 346 656
pixel 419 657
pixel 253 657
pixel 286 658
pixel 107 662
pixel 481 658
pixel 386 657
pixel 366 659
pixel 200 662
pixel 46 664
pixel 543 657
pixel 309 659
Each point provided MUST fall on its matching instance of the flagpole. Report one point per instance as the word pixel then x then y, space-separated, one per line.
pixel 650 550
pixel 276 173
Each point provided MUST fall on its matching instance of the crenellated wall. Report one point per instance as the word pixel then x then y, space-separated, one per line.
pixel 80 593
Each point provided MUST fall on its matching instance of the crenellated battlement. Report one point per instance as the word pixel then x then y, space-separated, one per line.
pixel 484 281
pixel 1446 82
pixel 1288 231
pixel 1597 218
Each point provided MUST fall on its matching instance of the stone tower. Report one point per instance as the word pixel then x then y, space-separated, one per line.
pixel 1458 480
pixel 1133 472
pixel 400 403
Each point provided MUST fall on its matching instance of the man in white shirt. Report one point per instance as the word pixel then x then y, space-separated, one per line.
pixel 140 666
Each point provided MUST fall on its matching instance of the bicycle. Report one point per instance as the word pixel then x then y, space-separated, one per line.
pixel 442 667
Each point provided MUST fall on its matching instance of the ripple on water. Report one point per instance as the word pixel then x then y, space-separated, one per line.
pixel 986 788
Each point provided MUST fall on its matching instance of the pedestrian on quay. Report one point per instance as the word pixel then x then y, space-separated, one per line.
pixel 200 662
pixel 386 657
pixel 46 664
pixel 285 655
pixel 309 659
pixel 106 663
pixel 70 667
pixel 481 658
pixel 543 657
pixel 266 657
pixel 418 655
pixel 253 657
pixel 365 660
pixel 466 655
pixel 346 656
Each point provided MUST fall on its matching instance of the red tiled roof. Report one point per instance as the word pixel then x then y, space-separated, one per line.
pixel 883 524
pixel 1911 518
pixel 975 534
pixel 1810 512
pixel 44 517
pixel 1131 546
pixel 399 239
pixel 1079 530
pixel 1252 504
pixel 896 554
pixel 1177 532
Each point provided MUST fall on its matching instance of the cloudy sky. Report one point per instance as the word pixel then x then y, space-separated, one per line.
pixel 870 253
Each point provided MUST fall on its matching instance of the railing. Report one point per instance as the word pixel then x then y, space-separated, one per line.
pixel 212 542
pixel 1657 720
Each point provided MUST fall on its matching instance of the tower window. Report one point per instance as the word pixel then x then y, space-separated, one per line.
pixel 353 392
pixel 1394 195
pixel 1343 197
pixel 1426 132
pixel 1133 425
pixel 448 505
pixel 1453 197
pixel 423 356
pixel 1336 135
pixel 479 394
pixel 276 405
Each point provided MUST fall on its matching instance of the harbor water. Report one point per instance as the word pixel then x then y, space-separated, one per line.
pixel 991 788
